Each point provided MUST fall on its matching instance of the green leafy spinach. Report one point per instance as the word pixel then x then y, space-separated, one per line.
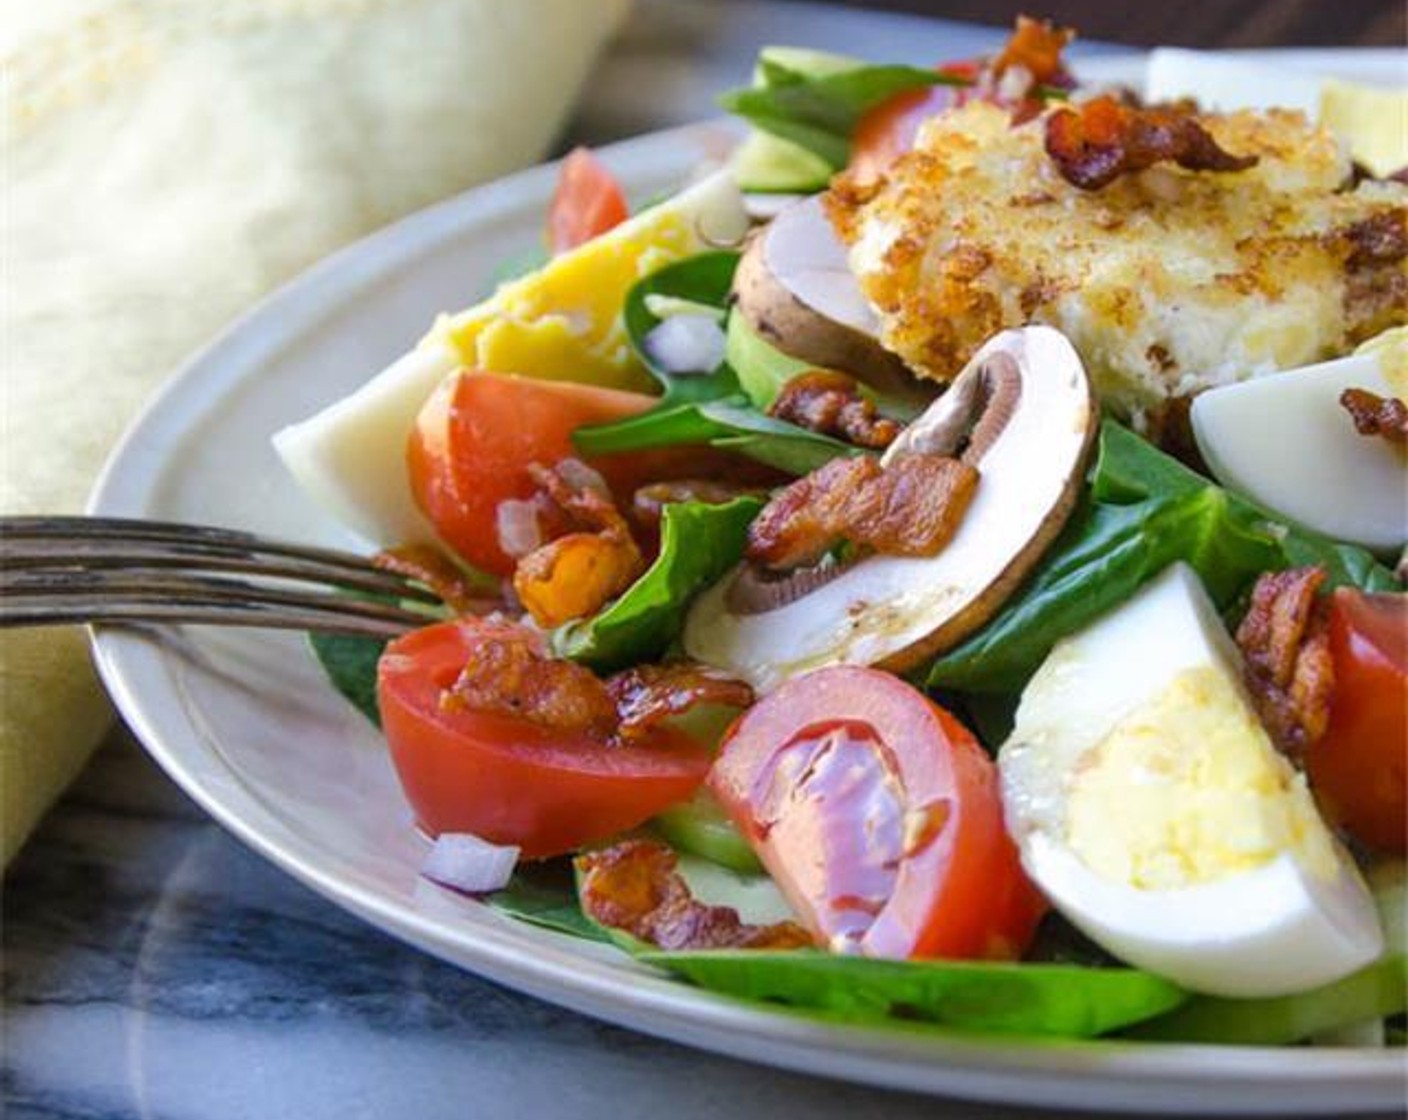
pixel 1060 1000
pixel 698 543
pixel 1143 510
pixel 701 408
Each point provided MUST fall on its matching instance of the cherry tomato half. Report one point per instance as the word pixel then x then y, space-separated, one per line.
pixel 1359 767
pixel 508 779
pixel 888 130
pixel 588 202
pixel 879 817
pixel 475 438
pixel 478 433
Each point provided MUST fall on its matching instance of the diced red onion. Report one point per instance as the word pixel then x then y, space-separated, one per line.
pixel 464 862
pixel 516 520
pixel 579 476
pixel 685 344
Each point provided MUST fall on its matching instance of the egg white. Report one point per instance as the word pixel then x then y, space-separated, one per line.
pixel 1300 918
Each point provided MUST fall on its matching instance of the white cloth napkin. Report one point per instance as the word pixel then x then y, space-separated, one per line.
pixel 165 163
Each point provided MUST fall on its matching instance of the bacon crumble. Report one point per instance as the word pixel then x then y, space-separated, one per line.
pixel 633 886
pixel 589 564
pixel 1036 46
pixel 831 404
pixel 647 695
pixel 1096 142
pixel 1374 415
pixel 910 508
pixel 427 565
pixel 512 674
pixel 1285 642
pixel 649 501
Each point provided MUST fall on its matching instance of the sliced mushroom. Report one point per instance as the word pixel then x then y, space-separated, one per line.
pixel 795 287
pixel 1024 414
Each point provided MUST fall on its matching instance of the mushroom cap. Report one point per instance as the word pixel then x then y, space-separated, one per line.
pixel 897 612
pixel 795 287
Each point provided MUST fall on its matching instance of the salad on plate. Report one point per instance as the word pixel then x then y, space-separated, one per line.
pixel 943 567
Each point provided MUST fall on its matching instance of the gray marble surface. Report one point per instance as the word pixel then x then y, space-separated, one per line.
pixel 154 968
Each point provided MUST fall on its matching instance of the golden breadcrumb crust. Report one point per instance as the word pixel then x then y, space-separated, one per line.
pixel 1166 281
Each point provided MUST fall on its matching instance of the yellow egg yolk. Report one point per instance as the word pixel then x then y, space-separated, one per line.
pixel 564 321
pixel 1189 789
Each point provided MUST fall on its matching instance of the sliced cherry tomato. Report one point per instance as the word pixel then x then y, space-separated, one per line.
pixel 1359 767
pixel 508 779
pixel 588 201
pixel 888 130
pixel 478 433
pixel 879 817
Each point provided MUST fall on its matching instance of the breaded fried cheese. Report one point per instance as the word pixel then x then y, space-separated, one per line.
pixel 1166 280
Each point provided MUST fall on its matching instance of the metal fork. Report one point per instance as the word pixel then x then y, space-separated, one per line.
pixel 62 570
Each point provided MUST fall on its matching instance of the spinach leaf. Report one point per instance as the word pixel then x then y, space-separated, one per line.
pixel 350 664
pixel 707 408
pixel 545 894
pixel 698 543
pixel 1059 1000
pixel 1143 511
pixel 819 110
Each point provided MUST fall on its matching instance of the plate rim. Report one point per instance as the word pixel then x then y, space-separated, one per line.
pixel 1103 1074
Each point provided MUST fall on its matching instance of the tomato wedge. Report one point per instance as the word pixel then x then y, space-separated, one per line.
pixel 1359 767
pixel 588 201
pixel 888 130
pixel 879 817
pixel 505 778
pixel 478 433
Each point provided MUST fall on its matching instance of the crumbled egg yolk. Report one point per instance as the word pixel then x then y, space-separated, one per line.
pixel 563 322
pixel 1189 789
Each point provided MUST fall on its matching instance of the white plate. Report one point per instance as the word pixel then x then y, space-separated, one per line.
pixel 246 724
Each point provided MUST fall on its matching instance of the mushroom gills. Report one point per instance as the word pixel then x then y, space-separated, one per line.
pixel 1023 412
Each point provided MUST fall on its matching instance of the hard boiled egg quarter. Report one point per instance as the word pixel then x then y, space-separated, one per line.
pixel 561 321
pixel 1151 807
pixel 1284 441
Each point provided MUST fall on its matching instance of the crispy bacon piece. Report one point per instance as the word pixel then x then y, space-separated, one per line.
pixel 910 508
pixel 830 403
pixel 1374 415
pixel 649 694
pixel 1378 240
pixel 633 886
pixel 578 572
pixel 1285 641
pixel 428 565
pixel 512 675
pixel 1036 46
pixel 649 502
pixel 1094 143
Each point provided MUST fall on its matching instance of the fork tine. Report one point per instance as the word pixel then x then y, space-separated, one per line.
pixel 53 610
pixel 39 597
pixel 89 543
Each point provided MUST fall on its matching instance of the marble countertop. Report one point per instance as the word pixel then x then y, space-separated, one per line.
pixel 155 968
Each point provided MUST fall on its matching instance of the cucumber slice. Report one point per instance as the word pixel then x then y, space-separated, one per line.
pixel 755 897
pixel 700 827
pixel 768 164
pixel 762 368
pixel 805 61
